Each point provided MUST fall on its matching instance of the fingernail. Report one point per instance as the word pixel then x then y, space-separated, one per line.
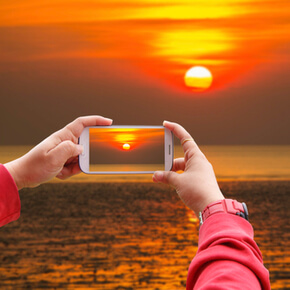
pixel 158 176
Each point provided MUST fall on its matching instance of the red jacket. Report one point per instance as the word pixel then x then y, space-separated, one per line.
pixel 227 256
pixel 9 198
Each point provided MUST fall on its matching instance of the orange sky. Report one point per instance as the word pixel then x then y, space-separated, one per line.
pixel 127 60
pixel 162 38
pixel 117 137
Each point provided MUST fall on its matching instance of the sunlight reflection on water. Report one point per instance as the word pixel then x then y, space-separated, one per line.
pixel 138 235
pixel 133 236
pixel 229 162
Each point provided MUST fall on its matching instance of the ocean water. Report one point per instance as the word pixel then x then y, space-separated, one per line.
pixel 229 162
pixel 128 235
pixel 125 232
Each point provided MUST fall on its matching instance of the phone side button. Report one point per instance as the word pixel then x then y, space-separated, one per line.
pixel 83 153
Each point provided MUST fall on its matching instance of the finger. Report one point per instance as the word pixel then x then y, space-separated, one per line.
pixel 64 151
pixel 68 171
pixel 184 137
pixel 178 164
pixel 76 127
pixel 166 177
pixel 73 130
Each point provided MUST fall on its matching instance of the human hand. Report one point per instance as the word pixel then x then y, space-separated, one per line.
pixel 57 155
pixel 196 186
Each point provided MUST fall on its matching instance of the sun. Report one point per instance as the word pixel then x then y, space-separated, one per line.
pixel 198 78
pixel 126 146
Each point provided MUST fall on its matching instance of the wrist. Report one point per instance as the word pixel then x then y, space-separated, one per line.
pixel 202 204
pixel 12 169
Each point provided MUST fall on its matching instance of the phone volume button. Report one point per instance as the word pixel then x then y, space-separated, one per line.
pixel 83 153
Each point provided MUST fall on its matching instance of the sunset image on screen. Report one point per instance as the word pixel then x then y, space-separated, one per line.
pixel 126 149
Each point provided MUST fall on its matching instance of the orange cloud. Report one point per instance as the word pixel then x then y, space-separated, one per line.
pixel 161 39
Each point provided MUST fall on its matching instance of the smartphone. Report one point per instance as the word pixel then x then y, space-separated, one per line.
pixel 126 149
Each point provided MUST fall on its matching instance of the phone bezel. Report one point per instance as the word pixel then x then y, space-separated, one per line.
pixel 85 156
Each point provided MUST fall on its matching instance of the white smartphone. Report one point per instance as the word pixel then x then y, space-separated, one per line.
pixel 126 149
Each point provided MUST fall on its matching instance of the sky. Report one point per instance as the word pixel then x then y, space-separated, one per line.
pixel 126 60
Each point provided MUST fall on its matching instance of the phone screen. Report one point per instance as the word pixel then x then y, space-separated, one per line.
pixel 126 149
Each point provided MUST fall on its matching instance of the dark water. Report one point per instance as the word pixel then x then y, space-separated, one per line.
pixel 127 236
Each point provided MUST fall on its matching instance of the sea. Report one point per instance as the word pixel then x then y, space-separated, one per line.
pixel 126 232
pixel 229 163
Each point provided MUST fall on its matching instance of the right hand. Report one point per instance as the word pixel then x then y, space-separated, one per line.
pixel 196 186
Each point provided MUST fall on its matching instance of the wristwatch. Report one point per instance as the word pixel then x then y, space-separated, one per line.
pixel 227 206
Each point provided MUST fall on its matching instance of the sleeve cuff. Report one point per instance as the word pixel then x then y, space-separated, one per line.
pixel 9 198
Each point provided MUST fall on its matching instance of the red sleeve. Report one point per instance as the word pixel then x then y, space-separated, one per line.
pixel 227 256
pixel 9 198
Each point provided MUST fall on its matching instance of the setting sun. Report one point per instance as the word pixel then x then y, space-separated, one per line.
pixel 198 78
pixel 126 146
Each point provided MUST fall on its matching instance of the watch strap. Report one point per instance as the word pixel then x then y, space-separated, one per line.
pixel 224 206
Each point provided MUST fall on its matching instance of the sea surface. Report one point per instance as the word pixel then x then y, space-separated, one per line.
pixel 229 162
pixel 130 233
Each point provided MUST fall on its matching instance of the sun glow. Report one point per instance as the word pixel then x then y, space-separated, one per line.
pixel 198 78
pixel 163 38
pixel 187 43
pixel 126 146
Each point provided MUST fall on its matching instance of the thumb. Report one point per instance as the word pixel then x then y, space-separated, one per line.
pixel 167 177
pixel 65 150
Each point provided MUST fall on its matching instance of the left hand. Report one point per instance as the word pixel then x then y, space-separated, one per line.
pixel 57 155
